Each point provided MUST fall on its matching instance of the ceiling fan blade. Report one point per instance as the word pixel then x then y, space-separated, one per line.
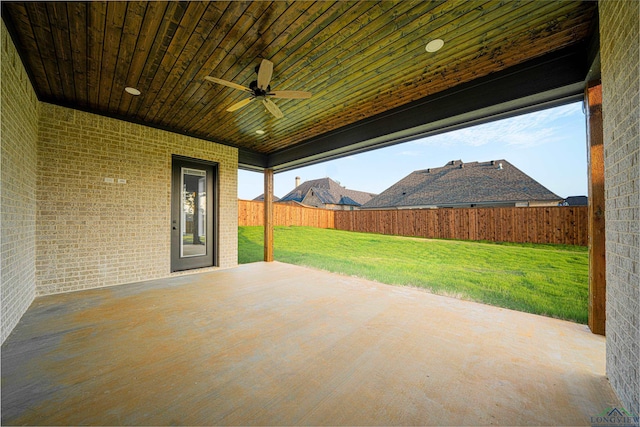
pixel 264 74
pixel 290 94
pixel 240 104
pixel 273 108
pixel 227 83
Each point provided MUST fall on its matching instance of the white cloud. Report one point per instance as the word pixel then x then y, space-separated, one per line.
pixel 414 153
pixel 529 130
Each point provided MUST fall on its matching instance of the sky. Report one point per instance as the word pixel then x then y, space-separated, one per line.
pixel 548 145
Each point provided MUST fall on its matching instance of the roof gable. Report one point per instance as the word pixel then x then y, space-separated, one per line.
pixel 322 194
pixel 328 192
pixel 298 193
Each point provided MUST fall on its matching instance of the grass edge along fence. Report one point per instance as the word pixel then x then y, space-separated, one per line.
pixel 567 225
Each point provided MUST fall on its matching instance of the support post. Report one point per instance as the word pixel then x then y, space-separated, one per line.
pixel 595 158
pixel 268 215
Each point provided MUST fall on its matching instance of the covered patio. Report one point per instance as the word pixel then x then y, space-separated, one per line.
pixel 106 107
pixel 277 344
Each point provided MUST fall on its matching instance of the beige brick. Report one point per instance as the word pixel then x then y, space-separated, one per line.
pixel 19 111
pixel 620 56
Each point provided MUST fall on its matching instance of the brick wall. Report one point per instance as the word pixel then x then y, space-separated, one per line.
pixel 620 37
pixel 19 117
pixel 91 233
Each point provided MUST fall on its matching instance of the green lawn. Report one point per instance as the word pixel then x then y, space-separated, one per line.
pixel 551 280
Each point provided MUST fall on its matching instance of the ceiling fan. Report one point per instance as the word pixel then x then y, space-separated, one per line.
pixel 260 90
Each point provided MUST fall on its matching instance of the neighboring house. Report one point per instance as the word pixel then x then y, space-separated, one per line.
pixel 260 198
pixel 576 201
pixel 326 193
pixel 457 184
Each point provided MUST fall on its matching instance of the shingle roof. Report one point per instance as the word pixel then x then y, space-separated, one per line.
pixel 345 200
pixel 463 183
pixel 260 198
pixel 577 201
pixel 329 192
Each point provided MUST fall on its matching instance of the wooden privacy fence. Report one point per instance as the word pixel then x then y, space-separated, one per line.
pixel 559 225
pixel 252 213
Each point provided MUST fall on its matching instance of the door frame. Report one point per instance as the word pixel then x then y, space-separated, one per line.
pixel 210 259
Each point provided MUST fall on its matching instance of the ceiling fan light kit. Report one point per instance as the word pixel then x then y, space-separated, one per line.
pixel 434 45
pixel 132 91
pixel 261 90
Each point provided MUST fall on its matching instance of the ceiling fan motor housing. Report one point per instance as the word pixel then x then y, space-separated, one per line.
pixel 257 91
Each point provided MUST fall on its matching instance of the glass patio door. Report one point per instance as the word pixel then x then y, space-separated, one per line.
pixel 192 214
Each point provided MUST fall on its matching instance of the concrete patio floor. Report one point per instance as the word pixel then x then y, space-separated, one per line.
pixel 276 344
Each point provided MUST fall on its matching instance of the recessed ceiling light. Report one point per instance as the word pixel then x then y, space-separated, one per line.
pixel 260 132
pixel 434 45
pixel 132 90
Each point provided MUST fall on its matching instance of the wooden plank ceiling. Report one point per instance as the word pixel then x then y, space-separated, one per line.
pixel 357 58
